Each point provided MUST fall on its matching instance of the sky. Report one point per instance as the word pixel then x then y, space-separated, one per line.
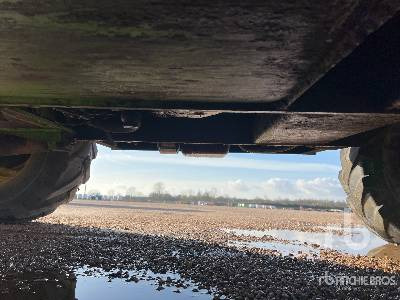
pixel 267 176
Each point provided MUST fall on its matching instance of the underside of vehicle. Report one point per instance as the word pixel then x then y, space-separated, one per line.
pixel 200 77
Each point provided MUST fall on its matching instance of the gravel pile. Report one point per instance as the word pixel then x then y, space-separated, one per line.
pixel 69 240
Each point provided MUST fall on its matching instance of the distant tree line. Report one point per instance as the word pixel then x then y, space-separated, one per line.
pixel 160 195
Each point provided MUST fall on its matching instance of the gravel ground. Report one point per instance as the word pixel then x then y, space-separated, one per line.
pixel 189 241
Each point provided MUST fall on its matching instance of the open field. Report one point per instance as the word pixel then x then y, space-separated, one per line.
pixel 195 251
pixel 187 221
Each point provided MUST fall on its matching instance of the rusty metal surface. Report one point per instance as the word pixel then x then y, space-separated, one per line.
pixel 125 53
pixel 316 129
pixel 273 128
pixel 205 150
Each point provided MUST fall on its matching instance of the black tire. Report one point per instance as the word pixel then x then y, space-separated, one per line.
pixel 47 180
pixel 371 178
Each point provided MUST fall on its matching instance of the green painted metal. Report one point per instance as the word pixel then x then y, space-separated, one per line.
pixel 48 135
pixel 31 118
pixel 34 127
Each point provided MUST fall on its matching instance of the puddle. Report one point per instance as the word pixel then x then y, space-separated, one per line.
pixel 88 284
pixel 354 240
pixel 284 249
pixel 37 286
pixel 99 288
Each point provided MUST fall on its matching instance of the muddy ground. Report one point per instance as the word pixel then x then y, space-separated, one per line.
pixel 186 252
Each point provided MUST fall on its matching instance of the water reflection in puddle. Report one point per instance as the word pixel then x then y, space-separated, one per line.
pixel 354 240
pixel 87 284
pixel 99 288
pixel 37 286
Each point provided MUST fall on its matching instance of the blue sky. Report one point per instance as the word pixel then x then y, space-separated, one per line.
pixel 269 176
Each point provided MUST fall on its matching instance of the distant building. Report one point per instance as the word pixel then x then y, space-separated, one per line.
pixel 253 205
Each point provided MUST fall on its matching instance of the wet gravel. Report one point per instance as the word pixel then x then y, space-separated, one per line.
pixel 71 240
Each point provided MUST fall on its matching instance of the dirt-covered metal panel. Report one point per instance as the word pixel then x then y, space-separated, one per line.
pixel 78 52
pixel 316 128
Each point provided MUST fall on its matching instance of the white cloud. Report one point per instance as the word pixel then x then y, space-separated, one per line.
pixel 316 188
pixel 272 188
pixel 120 171
pixel 226 162
pixel 238 185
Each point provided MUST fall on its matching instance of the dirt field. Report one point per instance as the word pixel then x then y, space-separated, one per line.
pixel 187 221
pixel 230 253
